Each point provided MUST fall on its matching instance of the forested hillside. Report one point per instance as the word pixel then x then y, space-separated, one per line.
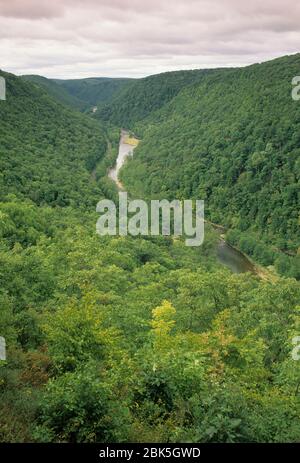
pixel 47 151
pixel 57 91
pixel 144 96
pixel 232 139
pixel 95 90
pixel 81 94
pixel 122 339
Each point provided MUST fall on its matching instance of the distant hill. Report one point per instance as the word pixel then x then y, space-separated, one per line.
pixel 141 97
pixel 47 150
pixel 80 93
pixel 93 91
pixel 57 91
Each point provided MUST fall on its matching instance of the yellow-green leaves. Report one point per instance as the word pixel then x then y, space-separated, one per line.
pixel 163 318
pixel 162 323
pixel 76 334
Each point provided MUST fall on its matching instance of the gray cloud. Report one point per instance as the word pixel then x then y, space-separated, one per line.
pixel 33 9
pixel 75 38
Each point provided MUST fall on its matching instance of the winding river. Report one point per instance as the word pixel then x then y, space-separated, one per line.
pixel 227 255
pixel 125 150
pixel 233 258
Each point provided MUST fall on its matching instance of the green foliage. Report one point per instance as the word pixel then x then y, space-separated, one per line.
pixel 139 98
pixel 81 407
pixel 285 264
pixel 231 139
pixel 122 339
pixel 80 94
pixel 76 334
pixel 56 91
pixel 47 151
pixel 94 91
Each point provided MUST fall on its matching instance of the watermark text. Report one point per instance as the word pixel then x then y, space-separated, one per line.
pixel 165 218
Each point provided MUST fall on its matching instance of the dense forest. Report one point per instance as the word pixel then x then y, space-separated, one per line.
pixel 123 339
pixel 231 139
pixel 95 90
pixel 81 94
pixel 47 151
pixel 58 92
pixel 141 97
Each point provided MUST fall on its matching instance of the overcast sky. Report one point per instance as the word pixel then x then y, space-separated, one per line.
pixel 75 38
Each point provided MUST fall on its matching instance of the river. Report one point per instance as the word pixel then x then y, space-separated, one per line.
pixel 125 150
pixel 227 255
pixel 233 258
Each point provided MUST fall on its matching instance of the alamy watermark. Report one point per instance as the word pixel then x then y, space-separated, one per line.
pixel 296 88
pixel 164 217
pixel 296 349
pixel 2 348
pixel 2 88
